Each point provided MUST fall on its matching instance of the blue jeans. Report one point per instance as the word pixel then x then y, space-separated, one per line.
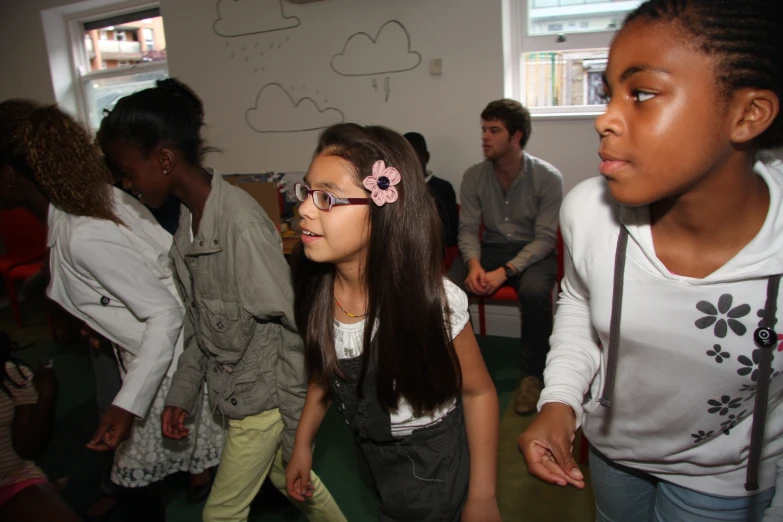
pixel 626 495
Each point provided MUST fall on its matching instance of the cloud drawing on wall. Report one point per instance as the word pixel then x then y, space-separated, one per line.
pixel 277 111
pixel 390 51
pixel 244 17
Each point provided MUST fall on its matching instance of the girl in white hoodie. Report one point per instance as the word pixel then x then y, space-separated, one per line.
pixel 664 348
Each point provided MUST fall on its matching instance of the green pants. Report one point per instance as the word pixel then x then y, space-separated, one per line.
pixel 252 452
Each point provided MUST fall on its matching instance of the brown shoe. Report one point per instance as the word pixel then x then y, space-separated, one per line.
pixel 527 395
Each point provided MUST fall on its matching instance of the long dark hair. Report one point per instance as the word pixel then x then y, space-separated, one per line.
pixel 169 114
pixel 413 354
pixel 744 37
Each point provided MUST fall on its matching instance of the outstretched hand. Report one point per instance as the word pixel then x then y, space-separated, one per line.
pixel 547 446
pixel 114 427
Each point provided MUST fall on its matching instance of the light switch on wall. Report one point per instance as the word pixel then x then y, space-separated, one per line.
pixel 436 66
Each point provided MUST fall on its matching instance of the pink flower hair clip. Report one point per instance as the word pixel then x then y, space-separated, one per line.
pixel 381 183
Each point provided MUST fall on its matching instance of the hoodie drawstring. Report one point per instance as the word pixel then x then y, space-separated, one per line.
pixel 765 338
pixel 614 325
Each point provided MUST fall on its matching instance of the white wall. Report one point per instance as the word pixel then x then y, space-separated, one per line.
pixel 571 145
pixel 23 57
pixel 229 73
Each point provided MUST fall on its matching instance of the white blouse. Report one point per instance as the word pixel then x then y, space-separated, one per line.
pixel 348 342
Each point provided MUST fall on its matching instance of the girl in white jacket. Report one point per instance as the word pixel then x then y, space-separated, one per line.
pixel 110 268
pixel 665 348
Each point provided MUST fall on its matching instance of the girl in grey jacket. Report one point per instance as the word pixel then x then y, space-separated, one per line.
pixel 239 329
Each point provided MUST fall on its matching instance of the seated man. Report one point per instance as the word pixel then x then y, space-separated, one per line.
pixel 441 190
pixel 518 197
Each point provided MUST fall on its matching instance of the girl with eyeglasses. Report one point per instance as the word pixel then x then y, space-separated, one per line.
pixel 387 336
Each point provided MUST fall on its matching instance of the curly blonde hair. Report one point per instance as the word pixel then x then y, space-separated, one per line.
pixel 59 155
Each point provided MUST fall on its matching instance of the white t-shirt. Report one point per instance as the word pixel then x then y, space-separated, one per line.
pixel 348 342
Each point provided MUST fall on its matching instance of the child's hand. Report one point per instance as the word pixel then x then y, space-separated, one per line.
pixel 297 474
pixel 114 427
pixel 546 446
pixel 172 422
pixel 480 510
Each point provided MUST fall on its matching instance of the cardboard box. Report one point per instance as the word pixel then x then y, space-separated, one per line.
pixel 265 193
pixel 233 179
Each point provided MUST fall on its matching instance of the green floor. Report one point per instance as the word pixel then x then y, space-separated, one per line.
pixel 520 497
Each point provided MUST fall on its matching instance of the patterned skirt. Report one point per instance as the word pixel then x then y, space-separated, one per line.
pixel 147 456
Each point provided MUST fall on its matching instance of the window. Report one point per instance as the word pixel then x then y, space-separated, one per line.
pixel 117 53
pixel 149 38
pixel 545 16
pixel 556 51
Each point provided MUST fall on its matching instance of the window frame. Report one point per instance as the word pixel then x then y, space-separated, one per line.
pixel 517 43
pixel 82 75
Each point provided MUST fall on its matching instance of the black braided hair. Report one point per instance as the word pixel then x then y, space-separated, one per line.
pixel 7 346
pixel 745 36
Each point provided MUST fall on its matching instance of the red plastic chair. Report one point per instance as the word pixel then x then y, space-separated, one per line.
pixel 450 255
pixel 24 239
pixel 452 252
pixel 23 273
pixel 509 293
